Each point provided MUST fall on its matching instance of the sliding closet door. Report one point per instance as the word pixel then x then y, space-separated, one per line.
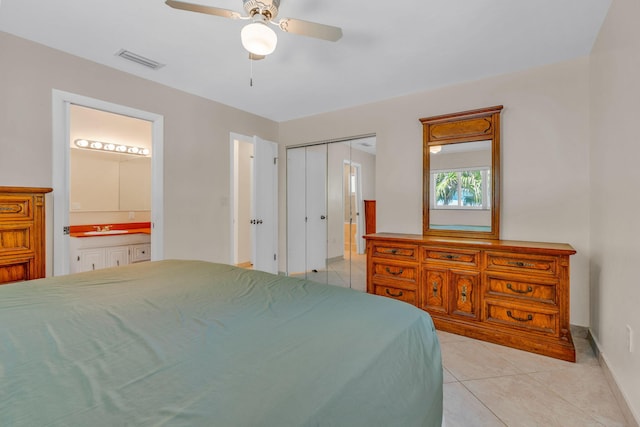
pixel 316 208
pixel 307 212
pixel 325 211
pixel 296 212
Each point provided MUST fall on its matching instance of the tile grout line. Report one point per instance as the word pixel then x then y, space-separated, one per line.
pixel 483 404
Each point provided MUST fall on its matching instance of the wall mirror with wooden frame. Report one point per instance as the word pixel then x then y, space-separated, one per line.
pixel 461 174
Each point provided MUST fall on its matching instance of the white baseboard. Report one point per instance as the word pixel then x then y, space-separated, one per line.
pixel 620 397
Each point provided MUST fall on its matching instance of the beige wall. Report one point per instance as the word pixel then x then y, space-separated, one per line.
pixel 615 225
pixel 544 156
pixel 196 139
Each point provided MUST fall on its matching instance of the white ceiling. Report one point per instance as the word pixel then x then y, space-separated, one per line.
pixel 389 48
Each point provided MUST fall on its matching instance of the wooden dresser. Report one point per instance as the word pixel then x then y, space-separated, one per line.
pixel 22 234
pixel 507 292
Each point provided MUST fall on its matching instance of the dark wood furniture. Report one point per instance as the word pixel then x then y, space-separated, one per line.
pixel 512 293
pixel 369 216
pixel 22 233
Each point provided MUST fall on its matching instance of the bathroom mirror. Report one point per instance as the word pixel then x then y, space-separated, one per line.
pixel 109 182
pixel 461 174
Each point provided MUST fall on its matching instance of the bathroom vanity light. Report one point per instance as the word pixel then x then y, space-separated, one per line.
pixel 108 146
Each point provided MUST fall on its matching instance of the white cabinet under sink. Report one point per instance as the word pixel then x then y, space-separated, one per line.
pixel 94 253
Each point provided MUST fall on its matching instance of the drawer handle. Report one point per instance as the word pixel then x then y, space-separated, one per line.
pixel 435 289
pixel 520 319
pixel 395 273
pixel 449 256
pixel 399 294
pixel 518 291
pixel 521 264
pixel 391 251
pixel 464 293
pixel 11 209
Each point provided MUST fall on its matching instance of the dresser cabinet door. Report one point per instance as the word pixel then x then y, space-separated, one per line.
pixel 465 301
pixel 434 290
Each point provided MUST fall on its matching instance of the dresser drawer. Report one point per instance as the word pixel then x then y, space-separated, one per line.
pixel 16 208
pixel 405 295
pixel 526 264
pixel 522 288
pixel 386 271
pixel 450 256
pixel 394 251
pixel 16 238
pixel 16 270
pixel 526 317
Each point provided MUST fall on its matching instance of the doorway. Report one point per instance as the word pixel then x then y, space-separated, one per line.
pixel 62 105
pixel 353 212
pixel 254 203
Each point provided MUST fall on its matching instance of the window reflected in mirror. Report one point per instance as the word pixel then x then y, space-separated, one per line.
pixel 460 186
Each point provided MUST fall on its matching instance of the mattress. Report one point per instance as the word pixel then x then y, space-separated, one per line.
pixel 192 343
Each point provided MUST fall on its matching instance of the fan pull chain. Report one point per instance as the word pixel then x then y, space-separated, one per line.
pixel 251 73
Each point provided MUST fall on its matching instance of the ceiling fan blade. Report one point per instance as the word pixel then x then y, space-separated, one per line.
pixel 225 13
pixel 310 29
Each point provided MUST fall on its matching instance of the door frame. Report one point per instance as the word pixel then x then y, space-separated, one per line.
pixel 359 208
pixel 60 170
pixel 233 136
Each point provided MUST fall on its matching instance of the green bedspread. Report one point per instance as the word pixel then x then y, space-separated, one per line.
pixel 191 343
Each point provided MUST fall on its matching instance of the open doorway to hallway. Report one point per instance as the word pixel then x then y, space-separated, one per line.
pixel 254 200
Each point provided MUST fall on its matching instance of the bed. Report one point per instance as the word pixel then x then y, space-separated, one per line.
pixel 192 343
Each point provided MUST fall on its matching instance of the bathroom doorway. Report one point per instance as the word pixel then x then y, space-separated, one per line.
pixel 64 104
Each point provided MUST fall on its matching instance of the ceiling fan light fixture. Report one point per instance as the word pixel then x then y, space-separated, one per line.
pixel 258 38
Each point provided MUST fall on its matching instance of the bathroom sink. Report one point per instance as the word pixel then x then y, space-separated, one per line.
pixel 103 233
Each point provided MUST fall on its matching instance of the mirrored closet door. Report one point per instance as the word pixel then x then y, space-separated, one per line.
pixel 327 184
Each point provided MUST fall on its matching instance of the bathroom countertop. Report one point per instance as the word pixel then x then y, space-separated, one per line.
pixel 90 230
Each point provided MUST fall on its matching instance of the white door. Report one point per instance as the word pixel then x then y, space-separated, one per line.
pixel 316 207
pixel 296 211
pixel 264 218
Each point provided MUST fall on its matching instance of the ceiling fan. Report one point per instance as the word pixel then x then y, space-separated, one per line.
pixel 257 37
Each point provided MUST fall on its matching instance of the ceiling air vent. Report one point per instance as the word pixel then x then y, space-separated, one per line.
pixel 138 59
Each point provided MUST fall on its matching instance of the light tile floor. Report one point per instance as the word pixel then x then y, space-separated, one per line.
pixel 490 385
pixel 348 272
